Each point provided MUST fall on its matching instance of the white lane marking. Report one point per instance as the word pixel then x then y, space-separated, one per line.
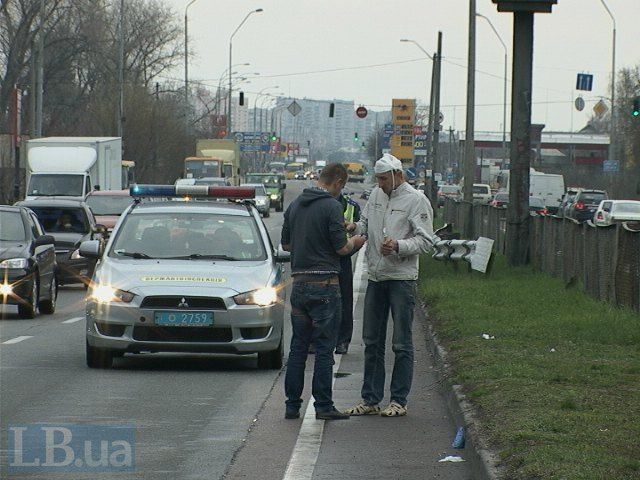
pixel 17 339
pixel 305 453
pixel 73 320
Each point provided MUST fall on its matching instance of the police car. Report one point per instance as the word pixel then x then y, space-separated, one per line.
pixel 186 277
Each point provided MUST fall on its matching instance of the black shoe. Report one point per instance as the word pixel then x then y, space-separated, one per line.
pixel 312 349
pixel 331 415
pixel 291 414
pixel 342 348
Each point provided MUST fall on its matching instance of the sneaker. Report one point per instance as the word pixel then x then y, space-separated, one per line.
pixel 394 410
pixel 291 414
pixel 363 409
pixel 342 348
pixel 331 415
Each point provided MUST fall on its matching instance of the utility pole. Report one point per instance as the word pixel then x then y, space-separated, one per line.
pixel 436 166
pixel 121 72
pixel 469 142
pixel 517 239
pixel 32 91
pixel 40 73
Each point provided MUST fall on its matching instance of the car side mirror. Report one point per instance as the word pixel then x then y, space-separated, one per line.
pixel 90 249
pixel 44 240
pixel 282 256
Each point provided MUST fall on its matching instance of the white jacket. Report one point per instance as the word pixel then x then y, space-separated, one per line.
pixel 405 216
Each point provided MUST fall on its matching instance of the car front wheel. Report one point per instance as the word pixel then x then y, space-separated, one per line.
pixel 48 306
pixel 29 307
pixel 98 357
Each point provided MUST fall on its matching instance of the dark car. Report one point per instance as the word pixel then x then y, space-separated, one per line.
pixel 70 222
pixel 108 205
pixel 500 200
pixel 27 263
pixel 585 204
pixel 566 201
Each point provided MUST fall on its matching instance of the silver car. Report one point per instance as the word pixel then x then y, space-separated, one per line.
pixel 262 198
pixel 186 277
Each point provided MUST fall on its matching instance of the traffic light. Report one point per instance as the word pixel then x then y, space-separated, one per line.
pixel 636 107
pixel 355 137
pixel 332 109
pixel 273 137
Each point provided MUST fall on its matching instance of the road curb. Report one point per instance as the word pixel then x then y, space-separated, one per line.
pixel 483 461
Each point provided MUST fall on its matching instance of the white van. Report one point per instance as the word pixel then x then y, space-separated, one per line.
pixel 482 193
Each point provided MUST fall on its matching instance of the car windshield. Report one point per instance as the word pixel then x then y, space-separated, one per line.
pixel 268 180
pixel 108 204
pixel 55 185
pixel 592 198
pixel 62 219
pixel 189 236
pixel 502 197
pixel 11 227
pixel 627 207
pixel 480 189
pixel 449 189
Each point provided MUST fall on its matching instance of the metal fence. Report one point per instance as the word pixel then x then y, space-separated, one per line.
pixel 604 260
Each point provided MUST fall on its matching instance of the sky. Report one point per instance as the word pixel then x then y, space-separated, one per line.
pixel 296 36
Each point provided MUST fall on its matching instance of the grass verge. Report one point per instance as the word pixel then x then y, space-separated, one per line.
pixel 558 389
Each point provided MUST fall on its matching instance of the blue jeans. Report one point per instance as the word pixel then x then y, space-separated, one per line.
pixel 315 315
pixel 397 296
pixel 345 328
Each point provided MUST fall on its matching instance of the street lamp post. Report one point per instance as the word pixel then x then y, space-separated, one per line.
pixel 229 125
pixel 186 64
pixel 504 92
pixel 612 129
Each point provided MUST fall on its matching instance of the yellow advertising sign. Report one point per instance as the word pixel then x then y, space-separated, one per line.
pixel 403 118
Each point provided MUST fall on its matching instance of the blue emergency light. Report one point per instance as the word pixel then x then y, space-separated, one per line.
pixel 208 191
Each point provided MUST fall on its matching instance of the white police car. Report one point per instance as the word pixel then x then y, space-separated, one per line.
pixel 186 277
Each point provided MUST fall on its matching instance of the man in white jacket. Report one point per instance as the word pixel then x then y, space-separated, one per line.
pixel 398 221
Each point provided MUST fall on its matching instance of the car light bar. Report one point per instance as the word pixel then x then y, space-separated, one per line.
pixel 192 191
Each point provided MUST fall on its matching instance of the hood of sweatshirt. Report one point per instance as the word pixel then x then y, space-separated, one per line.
pixel 312 194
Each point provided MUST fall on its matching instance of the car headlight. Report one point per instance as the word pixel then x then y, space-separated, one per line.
pixel 6 289
pixel 273 196
pixel 263 297
pixel 107 294
pixel 15 263
pixel 76 255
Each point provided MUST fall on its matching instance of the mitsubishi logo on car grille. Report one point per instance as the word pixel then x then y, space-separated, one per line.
pixel 183 303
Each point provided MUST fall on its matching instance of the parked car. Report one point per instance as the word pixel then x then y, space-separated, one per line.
pixel 482 193
pixel 448 191
pixel 27 263
pixel 566 201
pixel 585 204
pixel 70 222
pixel 108 205
pixel 300 175
pixel 537 205
pixel 615 211
pixel 500 200
pixel 262 199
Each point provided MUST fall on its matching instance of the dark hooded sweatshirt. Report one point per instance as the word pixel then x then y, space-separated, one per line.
pixel 314 227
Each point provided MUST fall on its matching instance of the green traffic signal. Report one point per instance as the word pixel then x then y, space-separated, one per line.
pixel 636 107
pixel 355 138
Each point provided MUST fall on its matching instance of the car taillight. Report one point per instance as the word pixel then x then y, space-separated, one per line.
pixel 600 216
pixel 580 205
pixel 544 211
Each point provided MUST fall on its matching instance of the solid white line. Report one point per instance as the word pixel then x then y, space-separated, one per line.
pixel 17 339
pixel 305 453
pixel 73 320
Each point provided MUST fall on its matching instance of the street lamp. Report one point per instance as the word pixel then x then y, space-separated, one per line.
pixel 612 129
pixel 504 92
pixel 255 104
pixel 257 10
pixel 186 63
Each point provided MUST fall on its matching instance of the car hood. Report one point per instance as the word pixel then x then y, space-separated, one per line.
pixel 13 250
pixel 204 277
pixel 64 239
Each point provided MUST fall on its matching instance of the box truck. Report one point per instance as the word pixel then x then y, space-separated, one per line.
pixel 73 166
pixel 214 158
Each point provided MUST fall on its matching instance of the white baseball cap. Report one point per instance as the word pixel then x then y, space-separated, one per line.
pixel 387 163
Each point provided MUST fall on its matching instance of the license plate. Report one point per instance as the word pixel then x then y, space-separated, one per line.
pixel 183 319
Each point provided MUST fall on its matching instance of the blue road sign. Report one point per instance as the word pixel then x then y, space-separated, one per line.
pixel 584 82
pixel 411 173
pixel 610 166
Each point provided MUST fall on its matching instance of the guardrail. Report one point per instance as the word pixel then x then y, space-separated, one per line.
pixel 605 261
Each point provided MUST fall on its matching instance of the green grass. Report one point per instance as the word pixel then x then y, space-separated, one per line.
pixel 558 389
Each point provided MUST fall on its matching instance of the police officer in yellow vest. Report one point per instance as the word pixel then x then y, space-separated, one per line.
pixel 351 211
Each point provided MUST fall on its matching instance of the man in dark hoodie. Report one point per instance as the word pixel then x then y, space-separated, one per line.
pixel 313 231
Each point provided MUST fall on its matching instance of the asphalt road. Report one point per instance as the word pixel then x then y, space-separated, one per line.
pixel 194 416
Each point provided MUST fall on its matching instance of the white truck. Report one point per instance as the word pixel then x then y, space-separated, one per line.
pixel 548 186
pixel 73 166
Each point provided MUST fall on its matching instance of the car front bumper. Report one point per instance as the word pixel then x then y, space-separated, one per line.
pixel 240 329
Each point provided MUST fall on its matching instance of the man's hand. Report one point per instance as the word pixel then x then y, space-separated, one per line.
pixel 350 227
pixel 389 246
pixel 358 241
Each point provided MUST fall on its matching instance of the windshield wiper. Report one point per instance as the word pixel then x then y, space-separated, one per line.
pixel 199 256
pixel 134 254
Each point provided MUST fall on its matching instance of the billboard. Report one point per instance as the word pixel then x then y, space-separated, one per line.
pixel 403 117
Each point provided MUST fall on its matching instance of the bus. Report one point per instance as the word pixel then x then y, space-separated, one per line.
pixel 355 170
pixel 277 167
pixel 290 169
